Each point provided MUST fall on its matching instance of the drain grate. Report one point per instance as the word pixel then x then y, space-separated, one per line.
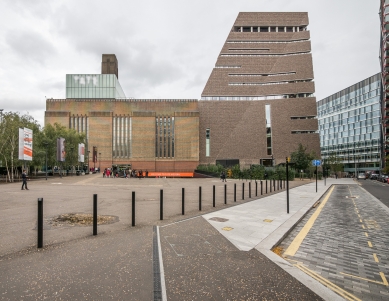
pixel 219 219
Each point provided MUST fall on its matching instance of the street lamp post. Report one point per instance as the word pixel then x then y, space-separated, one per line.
pixel 46 144
pixel 71 156
pixel 99 160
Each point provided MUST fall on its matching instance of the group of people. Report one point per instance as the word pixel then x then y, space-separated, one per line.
pixel 108 173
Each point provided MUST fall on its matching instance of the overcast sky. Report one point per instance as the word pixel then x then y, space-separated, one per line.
pixel 165 49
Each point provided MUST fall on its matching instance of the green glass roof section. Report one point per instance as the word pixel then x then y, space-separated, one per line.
pixel 93 86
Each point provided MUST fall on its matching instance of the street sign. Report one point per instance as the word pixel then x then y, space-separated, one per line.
pixel 316 162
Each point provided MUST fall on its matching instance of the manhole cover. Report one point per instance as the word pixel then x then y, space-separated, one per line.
pixel 218 219
pixel 81 219
pixel 227 228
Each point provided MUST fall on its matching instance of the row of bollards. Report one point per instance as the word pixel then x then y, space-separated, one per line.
pixel 40 204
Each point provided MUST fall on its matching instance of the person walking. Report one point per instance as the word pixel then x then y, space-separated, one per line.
pixel 24 178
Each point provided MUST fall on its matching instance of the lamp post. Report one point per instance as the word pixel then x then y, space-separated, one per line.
pixel 88 160
pixel 46 144
pixel 71 156
pixel 99 161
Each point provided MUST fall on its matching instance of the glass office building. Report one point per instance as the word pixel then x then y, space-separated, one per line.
pixel 350 126
pixel 93 86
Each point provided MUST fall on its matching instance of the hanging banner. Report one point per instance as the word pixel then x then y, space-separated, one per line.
pixel 25 144
pixel 61 149
pixel 81 152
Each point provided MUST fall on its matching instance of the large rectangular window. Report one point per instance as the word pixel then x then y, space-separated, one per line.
pixel 164 137
pixel 121 137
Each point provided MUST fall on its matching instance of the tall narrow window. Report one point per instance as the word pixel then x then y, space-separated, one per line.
pixel 268 130
pixel 164 137
pixel 207 142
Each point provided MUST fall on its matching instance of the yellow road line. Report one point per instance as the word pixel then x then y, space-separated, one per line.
pixel 375 257
pixel 363 226
pixel 359 216
pixel 360 220
pixel 367 235
pixel 384 282
pixel 369 243
pixel 328 283
pixel 295 245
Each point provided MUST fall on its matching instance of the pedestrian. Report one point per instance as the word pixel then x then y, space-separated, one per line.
pixel 24 178
pixel 223 176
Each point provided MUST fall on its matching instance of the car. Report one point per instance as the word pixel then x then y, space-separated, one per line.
pixel 361 175
pixel 373 176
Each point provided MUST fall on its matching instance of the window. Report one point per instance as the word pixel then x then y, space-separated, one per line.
pixel 268 130
pixel 207 142
pixel 164 137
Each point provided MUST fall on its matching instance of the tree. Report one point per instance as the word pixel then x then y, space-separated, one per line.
pixel 302 159
pixel 9 139
pixel 335 163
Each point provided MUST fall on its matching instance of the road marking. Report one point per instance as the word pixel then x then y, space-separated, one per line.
pixel 360 220
pixel 328 283
pixel 295 245
pixel 367 235
pixel 384 281
pixel 369 243
pixel 375 257
pixel 363 226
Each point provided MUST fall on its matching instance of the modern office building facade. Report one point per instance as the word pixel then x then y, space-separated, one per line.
pixel 350 126
pixel 256 107
pixel 384 60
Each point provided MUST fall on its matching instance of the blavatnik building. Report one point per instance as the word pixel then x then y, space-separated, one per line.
pixel 256 106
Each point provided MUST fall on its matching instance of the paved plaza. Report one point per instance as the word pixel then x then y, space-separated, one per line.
pixel 218 253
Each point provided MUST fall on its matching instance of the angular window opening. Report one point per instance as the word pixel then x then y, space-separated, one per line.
pixel 289 29
pixel 264 29
pixel 246 29
pixel 273 29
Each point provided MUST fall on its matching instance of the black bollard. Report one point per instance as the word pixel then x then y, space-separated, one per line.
pixel 249 190
pixel 133 209
pixel 214 197
pixel 266 187
pixel 256 188
pixel 225 194
pixel 234 192
pixel 95 214
pixel 161 205
pixel 242 191
pixel 270 186
pixel 40 223
pixel 183 201
pixel 200 198
pixel 261 188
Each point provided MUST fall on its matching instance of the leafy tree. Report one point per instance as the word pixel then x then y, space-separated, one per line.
pixel 335 163
pixel 9 139
pixel 302 159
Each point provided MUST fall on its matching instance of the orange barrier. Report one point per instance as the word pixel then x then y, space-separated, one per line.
pixel 170 174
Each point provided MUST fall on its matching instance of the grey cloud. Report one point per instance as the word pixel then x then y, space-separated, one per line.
pixel 30 45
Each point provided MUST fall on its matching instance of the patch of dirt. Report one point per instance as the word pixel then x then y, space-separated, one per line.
pixel 81 219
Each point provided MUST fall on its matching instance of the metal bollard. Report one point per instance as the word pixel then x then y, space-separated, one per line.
pixel 234 192
pixel 242 191
pixel 40 222
pixel 266 188
pixel 200 198
pixel 261 188
pixel 161 205
pixel 214 197
pixel 183 201
pixel 225 194
pixel 249 190
pixel 95 214
pixel 256 188
pixel 133 209
pixel 270 186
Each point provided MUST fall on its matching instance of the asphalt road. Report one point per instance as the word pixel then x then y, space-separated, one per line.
pixel 378 189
